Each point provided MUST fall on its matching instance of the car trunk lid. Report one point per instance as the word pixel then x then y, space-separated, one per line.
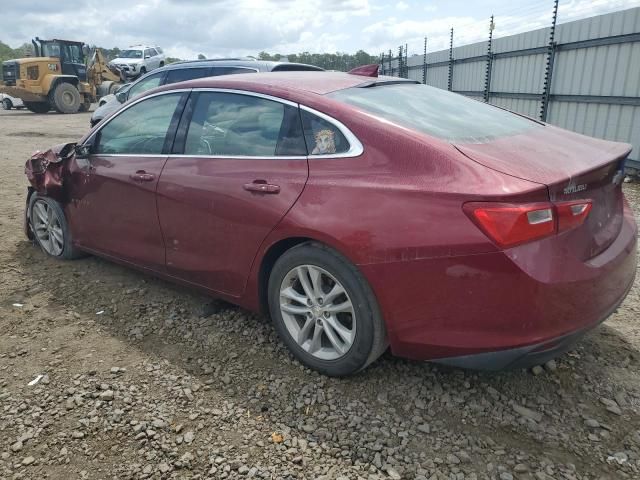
pixel 573 167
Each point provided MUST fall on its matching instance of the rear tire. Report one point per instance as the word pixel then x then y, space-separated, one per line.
pixel 50 228
pixel 6 104
pixel 37 107
pixel 66 98
pixel 348 338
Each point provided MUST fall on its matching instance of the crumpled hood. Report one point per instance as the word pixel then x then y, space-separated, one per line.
pixel 44 170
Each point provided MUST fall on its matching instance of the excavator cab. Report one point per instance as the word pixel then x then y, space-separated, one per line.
pixel 71 55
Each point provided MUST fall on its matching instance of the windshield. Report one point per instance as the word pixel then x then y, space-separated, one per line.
pixel 131 54
pixel 50 50
pixel 436 112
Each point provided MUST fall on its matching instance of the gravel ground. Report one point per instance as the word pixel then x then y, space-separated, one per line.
pixel 106 373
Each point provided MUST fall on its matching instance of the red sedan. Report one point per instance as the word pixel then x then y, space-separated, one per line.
pixel 359 212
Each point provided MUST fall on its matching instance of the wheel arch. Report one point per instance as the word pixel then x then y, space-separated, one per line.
pixel 278 247
pixel 58 79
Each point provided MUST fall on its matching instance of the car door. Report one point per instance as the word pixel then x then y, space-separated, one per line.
pixel 240 164
pixel 113 195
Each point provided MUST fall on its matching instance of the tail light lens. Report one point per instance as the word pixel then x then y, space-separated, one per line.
pixel 509 224
pixel 572 214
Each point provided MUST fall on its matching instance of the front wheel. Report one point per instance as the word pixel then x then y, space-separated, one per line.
pixel 66 98
pixel 6 104
pixel 324 311
pixel 50 228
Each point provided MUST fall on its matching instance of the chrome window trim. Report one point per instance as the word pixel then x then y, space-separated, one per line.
pixel 355 147
pixel 243 157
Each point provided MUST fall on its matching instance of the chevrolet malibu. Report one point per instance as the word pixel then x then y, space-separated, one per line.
pixel 359 212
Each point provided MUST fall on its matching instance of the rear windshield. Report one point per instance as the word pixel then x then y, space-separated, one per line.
pixel 436 112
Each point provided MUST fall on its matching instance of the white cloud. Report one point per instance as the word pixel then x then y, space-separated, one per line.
pixel 246 27
pixel 186 28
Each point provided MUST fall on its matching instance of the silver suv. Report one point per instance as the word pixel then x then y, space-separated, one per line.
pixel 138 60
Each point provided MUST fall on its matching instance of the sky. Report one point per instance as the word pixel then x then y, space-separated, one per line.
pixel 219 28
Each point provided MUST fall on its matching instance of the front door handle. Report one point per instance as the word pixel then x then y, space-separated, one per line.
pixel 142 176
pixel 260 186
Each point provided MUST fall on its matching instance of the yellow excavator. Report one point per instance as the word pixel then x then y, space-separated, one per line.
pixel 63 75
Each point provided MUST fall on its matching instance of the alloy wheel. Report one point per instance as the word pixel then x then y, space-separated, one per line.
pixel 47 227
pixel 317 312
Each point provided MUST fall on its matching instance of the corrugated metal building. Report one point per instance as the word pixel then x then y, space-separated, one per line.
pixel 595 75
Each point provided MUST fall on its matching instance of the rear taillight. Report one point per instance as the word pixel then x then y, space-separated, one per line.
pixel 509 224
pixel 572 214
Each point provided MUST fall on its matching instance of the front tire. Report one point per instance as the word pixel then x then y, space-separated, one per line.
pixel 37 107
pixel 6 104
pixel 50 228
pixel 324 311
pixel 66 98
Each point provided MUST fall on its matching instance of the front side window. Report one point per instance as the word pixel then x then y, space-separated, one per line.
pixel 436 112
pixel 139 130
pixel 147 53
pixel 147 83
pixel 228 124
pixel 182 74
pixel 322 137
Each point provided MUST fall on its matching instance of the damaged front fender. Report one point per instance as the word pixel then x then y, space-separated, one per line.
pixel 48 170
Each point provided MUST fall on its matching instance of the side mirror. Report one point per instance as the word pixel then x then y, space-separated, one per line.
pixel 122 96
pixel 147 56
pixel 82 151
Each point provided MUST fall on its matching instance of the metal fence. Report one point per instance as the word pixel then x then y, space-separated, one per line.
pixel 582 75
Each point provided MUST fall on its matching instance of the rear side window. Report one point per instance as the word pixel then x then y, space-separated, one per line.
pixel 152 81
pixel 322 137
pixel 292 67
pixel 436 112
pixel 215 71
pixel 182 74
pixel 228 124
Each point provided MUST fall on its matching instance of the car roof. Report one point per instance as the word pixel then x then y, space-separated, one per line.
pixel 305 82
pixel 260 65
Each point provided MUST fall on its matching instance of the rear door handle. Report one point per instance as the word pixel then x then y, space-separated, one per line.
pixel 142 176
pixel 261 187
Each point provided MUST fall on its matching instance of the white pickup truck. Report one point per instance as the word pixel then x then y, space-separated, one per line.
pixel 8 102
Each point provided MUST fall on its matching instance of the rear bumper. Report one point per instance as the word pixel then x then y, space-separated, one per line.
pixel 503 309
pixel 524 357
